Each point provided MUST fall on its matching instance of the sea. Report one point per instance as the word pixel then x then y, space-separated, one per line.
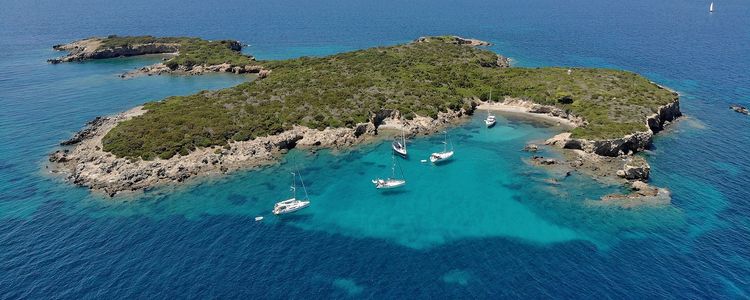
pixel 485 225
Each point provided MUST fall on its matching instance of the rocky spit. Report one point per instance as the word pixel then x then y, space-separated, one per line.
pixel 83 162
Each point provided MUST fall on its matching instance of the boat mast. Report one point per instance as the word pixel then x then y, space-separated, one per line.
pixel 303 185
pixel 490 102
pixel 294 186
pixel 445 143
pixel 393 166
pixel 403 138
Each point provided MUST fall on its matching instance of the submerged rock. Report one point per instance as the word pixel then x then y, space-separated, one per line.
pixel 643 194
pixel 531 148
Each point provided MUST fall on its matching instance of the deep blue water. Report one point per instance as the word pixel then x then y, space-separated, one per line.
pixel 484 226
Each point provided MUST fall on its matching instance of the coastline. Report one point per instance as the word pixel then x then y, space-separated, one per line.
pixel 528 108
pixel 83 161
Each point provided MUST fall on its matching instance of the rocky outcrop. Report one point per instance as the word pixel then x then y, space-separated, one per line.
pixel 86 164
pixel 161 69
pixel 531 148
pixel 91 49
pixel 454 39
pixel 635 168
pixel 664 115
pixel 629 144
pixel 542 161
pixel 641 194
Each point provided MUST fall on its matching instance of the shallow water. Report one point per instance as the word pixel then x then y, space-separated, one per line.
pixel 485 225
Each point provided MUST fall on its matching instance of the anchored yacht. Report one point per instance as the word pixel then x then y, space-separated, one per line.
pixel 399 146
pixel 438 157
pixel 292 204
pixel 390 182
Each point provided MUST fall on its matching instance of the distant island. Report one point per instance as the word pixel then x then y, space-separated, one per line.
pixel 341 100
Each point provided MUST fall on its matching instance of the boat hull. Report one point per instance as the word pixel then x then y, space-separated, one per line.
pixel 399 149
pixel 388 184
pixel 439 157
pixel 289 206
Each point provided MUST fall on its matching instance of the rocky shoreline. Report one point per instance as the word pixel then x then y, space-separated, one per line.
pixel 84 163
pixel 610 160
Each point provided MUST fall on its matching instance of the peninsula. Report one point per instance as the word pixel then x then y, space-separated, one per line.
pixel 341 100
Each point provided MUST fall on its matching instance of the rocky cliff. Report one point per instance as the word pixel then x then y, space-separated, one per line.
pixel 91 48
pixel 629 144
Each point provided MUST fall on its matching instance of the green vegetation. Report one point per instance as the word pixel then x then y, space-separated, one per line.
pixel 192 51
pixel 344 89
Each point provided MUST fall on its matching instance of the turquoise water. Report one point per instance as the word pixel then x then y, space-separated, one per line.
pixel 486 225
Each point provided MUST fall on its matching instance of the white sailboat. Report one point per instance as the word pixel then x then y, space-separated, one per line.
pixel 490 120
pixel 400 146
pixel 438 157
pixel 390 182
pixel 711 7
pixel 292 204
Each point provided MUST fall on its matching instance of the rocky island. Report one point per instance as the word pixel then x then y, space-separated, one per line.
pixel 342 100
pixel 190 56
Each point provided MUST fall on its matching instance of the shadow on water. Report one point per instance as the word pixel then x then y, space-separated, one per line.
pixel 444 163
pixel 237 199
pixel 393 192
pixel 294 217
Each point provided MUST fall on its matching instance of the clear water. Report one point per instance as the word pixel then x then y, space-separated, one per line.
pixel 486 225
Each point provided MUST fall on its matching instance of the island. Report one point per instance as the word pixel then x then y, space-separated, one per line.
pixel 342 100
pixel 189 56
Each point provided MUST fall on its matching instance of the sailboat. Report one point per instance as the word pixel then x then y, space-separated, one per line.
pixel 400 146
pixel 391 182
pixel 711 7
pixel 438 157
pixel 292 204
pixel 490 120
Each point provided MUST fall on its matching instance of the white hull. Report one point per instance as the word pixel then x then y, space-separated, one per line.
pixel 440 156
pixel 289 206
pixel 489 122
pixel 388 183
pixel 398 148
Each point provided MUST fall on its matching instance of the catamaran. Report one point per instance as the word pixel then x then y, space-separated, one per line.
pixel 438 157
pixel 490 120
pixel 400 146
pixel 292 204
pixel 711 7
pixel 391 182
